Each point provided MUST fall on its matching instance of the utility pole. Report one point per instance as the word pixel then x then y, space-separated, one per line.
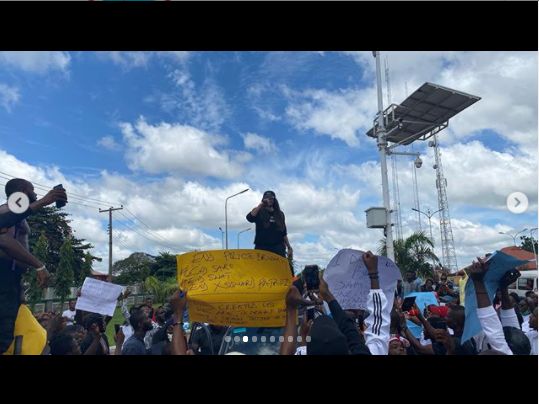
pixel 110 210
pixel 382 147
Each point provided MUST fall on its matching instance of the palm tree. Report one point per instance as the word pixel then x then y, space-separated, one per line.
pixel 160 290
pixel 413 253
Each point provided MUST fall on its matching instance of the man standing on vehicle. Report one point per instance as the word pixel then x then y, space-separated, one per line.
pixel 11 271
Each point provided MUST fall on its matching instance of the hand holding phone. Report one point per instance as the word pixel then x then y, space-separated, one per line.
pixel 312 277
pixel 408 303
pixel 60 203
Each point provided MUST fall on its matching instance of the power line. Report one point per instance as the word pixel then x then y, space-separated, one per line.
pixel 155 234
pixel 48 188
pixel 163 242
pixel 70 202
pixel 168 247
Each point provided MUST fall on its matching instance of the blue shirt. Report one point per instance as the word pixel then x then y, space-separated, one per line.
pixel 134 346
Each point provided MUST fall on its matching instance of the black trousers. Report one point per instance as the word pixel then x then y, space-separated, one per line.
pixel 10 300
pixel 278 249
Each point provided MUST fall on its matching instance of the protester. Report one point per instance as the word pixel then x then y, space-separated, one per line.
pixel 524 309
pixel 128 330
pixel 377 332
pixel 486 313
pixel 11 270
pixel 411 284
pixel 64 344
pixel 428 286
pixel 532 333
pixel 445 291
pixel 398 345
pixel 95 327
pixel 69 314
pixel 271 233
pixel 338 335
pixel 141 323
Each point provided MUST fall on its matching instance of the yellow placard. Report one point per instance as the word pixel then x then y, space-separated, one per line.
pixel 242 288
pixel 34 336
pixel 462 289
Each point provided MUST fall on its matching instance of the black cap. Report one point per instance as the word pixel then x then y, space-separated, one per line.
pixel 326 338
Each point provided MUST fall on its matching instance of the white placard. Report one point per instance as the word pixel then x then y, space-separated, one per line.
pixel 347 278
pixel 98 297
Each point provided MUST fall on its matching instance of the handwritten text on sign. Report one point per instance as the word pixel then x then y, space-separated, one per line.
pixel 346 275
pixel 243 288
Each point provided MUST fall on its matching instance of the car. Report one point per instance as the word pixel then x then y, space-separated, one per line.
pixel 252 341
pixel 525 283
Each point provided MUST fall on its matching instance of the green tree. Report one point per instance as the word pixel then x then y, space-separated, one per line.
pixel 164 266
pixel 54 224
pixel 40 251
pixel 413 253
pixel 161 290
pixel 86 269
pixel 65 271
pixel 528 243
pixel 133 269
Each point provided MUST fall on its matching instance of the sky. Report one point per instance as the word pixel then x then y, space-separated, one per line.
pixel 170 135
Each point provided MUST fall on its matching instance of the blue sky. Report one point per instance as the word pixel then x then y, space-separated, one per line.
pixel 171 134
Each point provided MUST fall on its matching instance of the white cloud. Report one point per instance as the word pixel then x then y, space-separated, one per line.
pixel 476 176
pixel 177 148
pixel 506 82
pixel 344 115
pixel 9 96
pixel 259 143
pixel 202 105
pixel 108 142
pixel 180 214
pixel 136 59
pixel 127 59
pixel 36 62
pixel 178 56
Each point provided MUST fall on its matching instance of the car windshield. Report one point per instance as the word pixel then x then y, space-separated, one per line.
pixel 252 341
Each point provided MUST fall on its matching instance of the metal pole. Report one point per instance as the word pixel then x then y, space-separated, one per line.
pixel 382 144
pixel 430 227
pixel 243 231
pixel 222 238
pixel 226 224
pixel 226 214
pixel 110 237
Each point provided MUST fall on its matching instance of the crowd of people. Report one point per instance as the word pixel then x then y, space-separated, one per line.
pixel 508 322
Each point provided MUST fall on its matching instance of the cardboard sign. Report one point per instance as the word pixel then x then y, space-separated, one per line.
pixel 349 281
pixel 98 297
pixel 499 264
pixel 242 288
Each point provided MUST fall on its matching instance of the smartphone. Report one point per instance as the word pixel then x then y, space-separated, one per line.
pixel 408 303
pixel 438 324
pixel 310 274
pixel 60 204
pixel 509 277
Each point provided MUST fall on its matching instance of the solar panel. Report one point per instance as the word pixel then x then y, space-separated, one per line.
pixel 423 114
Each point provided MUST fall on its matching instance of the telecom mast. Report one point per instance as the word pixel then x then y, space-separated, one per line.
pixel 449 257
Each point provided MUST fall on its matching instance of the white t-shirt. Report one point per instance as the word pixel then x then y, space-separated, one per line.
pixel 526 324
pixel 70 315
pixel 532 336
